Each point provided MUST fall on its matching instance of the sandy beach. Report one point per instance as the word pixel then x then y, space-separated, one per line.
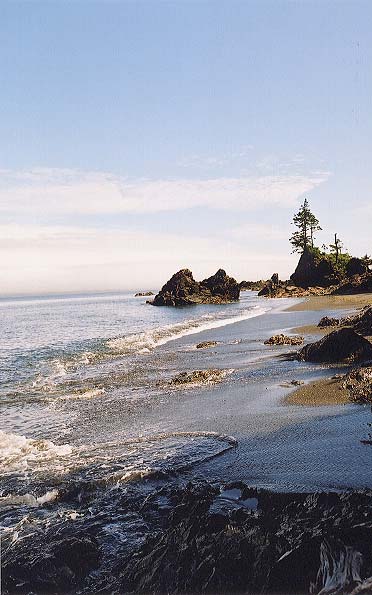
pixel 333 302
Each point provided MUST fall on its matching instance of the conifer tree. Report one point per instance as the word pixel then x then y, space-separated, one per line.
pixel 307 225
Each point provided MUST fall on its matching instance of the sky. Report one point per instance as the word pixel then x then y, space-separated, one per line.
pixel 141 137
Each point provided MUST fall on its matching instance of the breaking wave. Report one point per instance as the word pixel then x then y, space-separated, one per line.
pixel 147 341
pixel 20 454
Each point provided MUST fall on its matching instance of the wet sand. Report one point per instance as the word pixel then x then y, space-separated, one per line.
pixel 327 391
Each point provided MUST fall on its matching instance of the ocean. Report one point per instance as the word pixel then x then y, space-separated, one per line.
pixel 90 417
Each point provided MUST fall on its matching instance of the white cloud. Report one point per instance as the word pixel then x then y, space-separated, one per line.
pixel 60 192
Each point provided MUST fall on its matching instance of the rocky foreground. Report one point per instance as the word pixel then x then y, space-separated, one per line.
pixel 196 538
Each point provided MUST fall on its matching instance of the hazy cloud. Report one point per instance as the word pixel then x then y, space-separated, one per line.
pixel 61 191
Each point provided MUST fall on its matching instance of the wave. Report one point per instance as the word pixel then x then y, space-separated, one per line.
pixel 21 454
pixel 147 341
pixel 28 499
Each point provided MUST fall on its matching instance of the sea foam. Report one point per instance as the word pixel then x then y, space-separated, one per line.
pixel 147 341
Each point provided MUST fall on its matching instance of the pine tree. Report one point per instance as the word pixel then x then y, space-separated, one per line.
pixel 307 225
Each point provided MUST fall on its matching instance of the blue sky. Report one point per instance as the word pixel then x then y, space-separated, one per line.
pixel 140 137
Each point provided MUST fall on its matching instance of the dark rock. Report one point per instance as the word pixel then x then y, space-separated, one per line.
pixel 252 285
pixel 361 321
pixel 176 537
pixel 221 286
pixel 343 346
pixel 183 290
pixel 314 270
pixel 143 294
pixel 206 344
pixel 356 284
pixel 356 266
pixel 284 340
pixel 180 290
pixel 275 279
pixel 327 321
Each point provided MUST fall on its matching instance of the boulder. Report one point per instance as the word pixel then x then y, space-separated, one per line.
pixel 314 270
pixel 327 321
pixel 341 346
pixel 284 340
pixel 183 290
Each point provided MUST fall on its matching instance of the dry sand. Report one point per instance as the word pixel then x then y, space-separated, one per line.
pixel 333 302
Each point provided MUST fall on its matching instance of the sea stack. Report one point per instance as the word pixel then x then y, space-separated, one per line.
pixel 183 290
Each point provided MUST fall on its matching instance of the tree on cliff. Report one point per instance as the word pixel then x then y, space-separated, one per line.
pixel 307 225
pixel 336 248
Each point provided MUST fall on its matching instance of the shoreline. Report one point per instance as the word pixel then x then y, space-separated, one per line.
pixel 327 391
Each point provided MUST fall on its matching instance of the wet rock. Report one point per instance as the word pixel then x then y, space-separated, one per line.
pixel 343 346
pixel 284 340
pixel 143 294
pixel 199 377
pixel 176 537
pixel 183 290
pixel 206 344
pixel 60 566
pixel 328 321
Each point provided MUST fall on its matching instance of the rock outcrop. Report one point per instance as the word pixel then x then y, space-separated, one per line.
pixel 328 321
pixel 356 284
pixel 361 321
pixel 191 537
pixel 284 340
pixel 143 294
pixel 359 384
pixel 314 270
pixel 252 285
pixel 183 290
pixel 206 344
pixel 341 346
pixel 200 377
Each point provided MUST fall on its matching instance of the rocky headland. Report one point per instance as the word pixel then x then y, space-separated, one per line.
pixel 316 274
